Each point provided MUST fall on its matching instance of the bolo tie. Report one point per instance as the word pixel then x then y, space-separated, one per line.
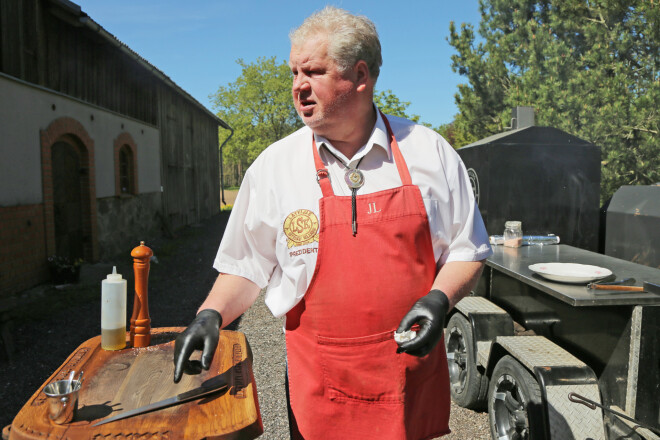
pixel 354 179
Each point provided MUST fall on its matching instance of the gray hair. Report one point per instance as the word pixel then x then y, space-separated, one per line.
pixel 351 38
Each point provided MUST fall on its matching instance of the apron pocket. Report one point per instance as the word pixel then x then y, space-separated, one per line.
pixel 364 369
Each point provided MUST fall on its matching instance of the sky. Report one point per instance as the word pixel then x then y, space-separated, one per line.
pixel 196 43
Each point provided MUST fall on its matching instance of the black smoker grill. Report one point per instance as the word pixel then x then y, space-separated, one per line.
pixel 632 230
pixel 542 176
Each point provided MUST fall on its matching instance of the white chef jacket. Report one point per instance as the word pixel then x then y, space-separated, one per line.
pixel 281 183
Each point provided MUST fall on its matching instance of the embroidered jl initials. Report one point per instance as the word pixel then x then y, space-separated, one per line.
pixel 372 208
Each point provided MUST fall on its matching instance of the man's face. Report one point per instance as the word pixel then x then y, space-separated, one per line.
pixel 323 96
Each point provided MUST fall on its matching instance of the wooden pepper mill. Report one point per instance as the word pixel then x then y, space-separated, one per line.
pixel 140 335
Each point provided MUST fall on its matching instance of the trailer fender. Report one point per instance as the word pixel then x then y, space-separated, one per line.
pixel 488 321
pixel 558 373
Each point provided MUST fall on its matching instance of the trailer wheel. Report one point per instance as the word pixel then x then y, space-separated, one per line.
pixel 515 407
pixel 468 386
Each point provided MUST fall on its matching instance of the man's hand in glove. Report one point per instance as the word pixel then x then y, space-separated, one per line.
pixel 202 334
pixel 429 312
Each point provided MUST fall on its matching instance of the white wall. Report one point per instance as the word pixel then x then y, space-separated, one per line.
pixel 25 110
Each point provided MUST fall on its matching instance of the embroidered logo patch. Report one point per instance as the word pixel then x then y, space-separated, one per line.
pixel 301 227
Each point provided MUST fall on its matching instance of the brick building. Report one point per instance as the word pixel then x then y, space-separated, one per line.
pixel 99 149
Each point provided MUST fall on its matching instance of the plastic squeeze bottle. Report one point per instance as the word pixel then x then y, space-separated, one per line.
pixel 113 311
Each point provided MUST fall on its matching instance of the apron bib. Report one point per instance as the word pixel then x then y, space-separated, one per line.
pixel 345 378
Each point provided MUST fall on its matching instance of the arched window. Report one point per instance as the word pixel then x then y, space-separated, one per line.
pixel 125 165
pixel 126 170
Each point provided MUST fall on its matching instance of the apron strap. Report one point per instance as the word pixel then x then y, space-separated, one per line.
pixel 323 177
pixel 396 153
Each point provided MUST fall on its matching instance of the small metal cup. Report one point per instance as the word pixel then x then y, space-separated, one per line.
pixel 62 400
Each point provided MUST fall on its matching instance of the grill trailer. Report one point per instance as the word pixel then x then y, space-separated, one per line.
pixel 521 344
pixel 547 358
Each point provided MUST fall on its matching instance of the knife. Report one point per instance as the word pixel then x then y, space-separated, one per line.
pixel 624 284
pixel 615 287
pixel 647 287
pixel 210 386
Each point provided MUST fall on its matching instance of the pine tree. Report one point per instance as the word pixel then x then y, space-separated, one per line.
pixel 588 67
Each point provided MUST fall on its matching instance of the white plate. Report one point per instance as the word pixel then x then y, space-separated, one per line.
pixel 570 272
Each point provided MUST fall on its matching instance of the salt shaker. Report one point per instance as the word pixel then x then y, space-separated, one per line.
pixel 513 236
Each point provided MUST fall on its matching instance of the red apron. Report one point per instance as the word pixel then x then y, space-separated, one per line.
pixel 346 380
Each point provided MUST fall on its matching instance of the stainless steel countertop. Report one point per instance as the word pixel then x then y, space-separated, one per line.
pixel 515 262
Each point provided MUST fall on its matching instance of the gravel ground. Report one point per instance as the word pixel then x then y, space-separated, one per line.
pixel 61 319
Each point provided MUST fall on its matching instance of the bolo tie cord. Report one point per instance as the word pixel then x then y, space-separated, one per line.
pixel 353 191
pixel 353 203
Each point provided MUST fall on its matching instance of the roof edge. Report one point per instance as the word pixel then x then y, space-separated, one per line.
pixel 94 26
pixel 87 21
pixel 532 128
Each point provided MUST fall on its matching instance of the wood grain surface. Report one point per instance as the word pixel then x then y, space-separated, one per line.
pixel 117 381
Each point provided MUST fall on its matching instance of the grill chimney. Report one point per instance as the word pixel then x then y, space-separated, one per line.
pixel 522 117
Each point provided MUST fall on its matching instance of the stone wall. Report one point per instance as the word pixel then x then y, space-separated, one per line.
pixel 124 221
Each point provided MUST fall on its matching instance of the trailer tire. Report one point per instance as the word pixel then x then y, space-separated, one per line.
pixel 515 405
pixel 467 385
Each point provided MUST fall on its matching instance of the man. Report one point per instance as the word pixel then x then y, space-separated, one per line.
pixel 359 225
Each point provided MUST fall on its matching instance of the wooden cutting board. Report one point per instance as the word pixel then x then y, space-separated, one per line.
pixel 117 381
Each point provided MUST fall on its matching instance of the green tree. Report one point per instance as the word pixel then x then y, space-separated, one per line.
pixel 258 106
pixel 589 67
pixel 390 104
pixel 455 135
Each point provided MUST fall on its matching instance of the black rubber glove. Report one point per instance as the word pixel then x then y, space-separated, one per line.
pixel 429 312
pixel 202 334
